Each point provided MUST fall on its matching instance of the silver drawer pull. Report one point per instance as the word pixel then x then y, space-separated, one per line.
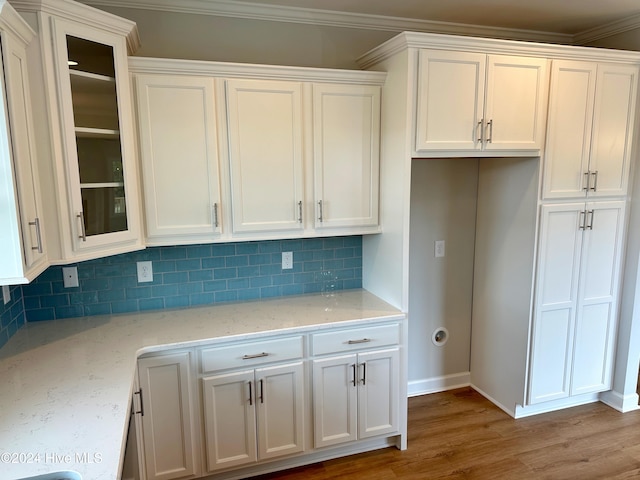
pixel 364 340
pixel 255 355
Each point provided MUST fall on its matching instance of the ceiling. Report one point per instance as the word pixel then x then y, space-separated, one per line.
pixel 572 19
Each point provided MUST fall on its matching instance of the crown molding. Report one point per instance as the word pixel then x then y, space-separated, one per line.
pixel 11 21
pixel 277 13
pixel 432 41
pixel 607 30
pixel 245 70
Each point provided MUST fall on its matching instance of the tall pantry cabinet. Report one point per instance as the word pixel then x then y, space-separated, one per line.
pixel 84 128
pixel 551 214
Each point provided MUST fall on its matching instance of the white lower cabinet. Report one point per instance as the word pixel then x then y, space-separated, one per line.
pixel 355 396
pixel 576 305
pixel 166 409
pixel 253 415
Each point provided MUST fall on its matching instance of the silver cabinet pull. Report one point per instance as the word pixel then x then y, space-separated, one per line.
pixel 591 214
pixel 587 174
pixel 582 220
pixel 215 215
pixel 490 139
pixel 300 211
pixel 481 130
pixel 255 355
pixel 320 219
pixel 83 232
pixel 354 374
pixel 261 391
pixel 595 181
pixel 250 394
pixel 363 340
pixel 36 223
pixel 141 411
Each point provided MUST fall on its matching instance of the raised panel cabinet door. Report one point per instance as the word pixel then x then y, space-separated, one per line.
pixel 22 242
pixel 179 156
pixel 561 236
pixel 613 121
pixel 378 392
pixel 335 400
pixel 280 410
pixel 516 103
pixel 230 420
pixel 450 106
pixel 598 298
pixel 266 155
pixel 571 99
pixel 346 151
pixel 167 423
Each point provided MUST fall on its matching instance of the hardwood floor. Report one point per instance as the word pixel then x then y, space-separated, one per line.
pixel 461 435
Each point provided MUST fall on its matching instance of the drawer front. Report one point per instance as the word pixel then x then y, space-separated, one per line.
pixel 250 353
pixel 355 339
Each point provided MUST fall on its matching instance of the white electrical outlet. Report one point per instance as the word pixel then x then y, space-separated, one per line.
pixel 287 260
pixel 6 294
pixel 439 248
pixel 145 271
pixel 70 277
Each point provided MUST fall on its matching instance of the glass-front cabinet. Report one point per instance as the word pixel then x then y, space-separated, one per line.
pixel 97 136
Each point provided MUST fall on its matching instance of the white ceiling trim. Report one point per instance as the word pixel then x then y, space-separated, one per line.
pixel 278 13
pixel 608 30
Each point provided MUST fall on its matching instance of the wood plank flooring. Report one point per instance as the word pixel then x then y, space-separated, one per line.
pixel 460 435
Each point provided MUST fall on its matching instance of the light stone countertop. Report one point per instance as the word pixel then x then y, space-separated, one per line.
pixel 66 385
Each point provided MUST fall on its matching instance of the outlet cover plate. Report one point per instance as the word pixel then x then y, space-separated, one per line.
pixel 70 277
pixel 6 294
pixel 145 271
pixel 439 249
pixel 287 260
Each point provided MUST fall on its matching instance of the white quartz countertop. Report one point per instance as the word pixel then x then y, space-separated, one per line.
pixel 66 385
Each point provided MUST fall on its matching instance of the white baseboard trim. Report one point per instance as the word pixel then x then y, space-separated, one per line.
pixel 554 405
pixel 502 407
pixel 622 403
pixel 438 384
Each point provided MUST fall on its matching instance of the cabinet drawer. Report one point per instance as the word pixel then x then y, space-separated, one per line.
pixel 355 339
pixel 250 354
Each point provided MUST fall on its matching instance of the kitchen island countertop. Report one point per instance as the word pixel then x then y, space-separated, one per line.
pixel 67 384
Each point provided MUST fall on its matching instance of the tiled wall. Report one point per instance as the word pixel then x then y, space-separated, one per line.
pixel 196 275
pixel 11 315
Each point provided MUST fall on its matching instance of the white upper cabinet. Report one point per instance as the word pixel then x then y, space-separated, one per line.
pixel 590 129
pixel 477 102
pixel 22 238
pixel 85 129
pixel 266 155
pixel 346 126
pixel 179 157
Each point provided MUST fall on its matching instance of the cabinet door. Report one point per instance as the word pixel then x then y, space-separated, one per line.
pixel 378 392
pixel 230 421
pixel 346 126
pixel 168 434
pixel 450 100
pixel 598 298
pixel 569 124
pixel 98 138
pixel 556 301
pixel 266 158
pixel 516 103
pixel 613 120
pixel 178 145
pixel 280 412
pixel 335 400
pixel 22 241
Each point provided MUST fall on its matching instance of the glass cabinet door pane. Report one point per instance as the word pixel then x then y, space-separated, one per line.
pixel 95 112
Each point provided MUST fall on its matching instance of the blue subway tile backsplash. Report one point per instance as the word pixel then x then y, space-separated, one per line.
pixel 11 315
pixel 192 275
